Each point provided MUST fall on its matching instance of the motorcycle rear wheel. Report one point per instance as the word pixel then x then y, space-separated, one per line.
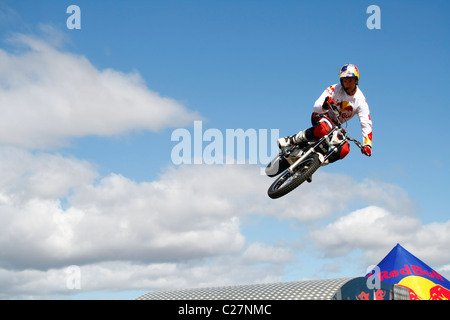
pixel 288 181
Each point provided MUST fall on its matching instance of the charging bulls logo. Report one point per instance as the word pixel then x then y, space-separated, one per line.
pixel 423 289
pixel 346 110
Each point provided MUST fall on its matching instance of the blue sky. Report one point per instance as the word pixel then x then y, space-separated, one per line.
pixel 88 116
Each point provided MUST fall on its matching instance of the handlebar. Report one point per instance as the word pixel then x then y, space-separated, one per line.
pixel 335 110
pixel 359 144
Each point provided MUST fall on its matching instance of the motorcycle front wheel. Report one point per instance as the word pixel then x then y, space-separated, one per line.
pixel 289 181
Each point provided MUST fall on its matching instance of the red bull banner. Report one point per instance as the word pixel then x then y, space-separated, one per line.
pixel 402 268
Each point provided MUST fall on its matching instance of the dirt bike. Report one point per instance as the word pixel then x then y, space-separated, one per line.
pixel 304 159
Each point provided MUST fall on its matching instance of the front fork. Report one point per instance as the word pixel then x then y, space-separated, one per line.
pixel 322 158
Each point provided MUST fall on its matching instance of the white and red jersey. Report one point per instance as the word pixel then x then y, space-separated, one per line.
pixel 349 106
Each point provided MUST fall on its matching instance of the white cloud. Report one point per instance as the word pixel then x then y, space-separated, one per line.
pixel 376 230
pixel 48 96
pixel 431 243
pixel 365 228
pixel 25 175
pixel 60 207
pixel 181 230
pixel 117 218
pixel 261 253
pixel 125 276
pixel 57 211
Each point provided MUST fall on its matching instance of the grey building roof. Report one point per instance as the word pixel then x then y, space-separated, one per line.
pixel 298 290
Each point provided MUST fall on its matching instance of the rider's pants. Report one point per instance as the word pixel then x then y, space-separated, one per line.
pixel 322 125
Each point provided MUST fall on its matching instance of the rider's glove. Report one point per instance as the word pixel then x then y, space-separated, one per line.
pixel 367 150
pixel 327 102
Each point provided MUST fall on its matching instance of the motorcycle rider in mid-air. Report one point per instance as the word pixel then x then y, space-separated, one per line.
pixel 350 101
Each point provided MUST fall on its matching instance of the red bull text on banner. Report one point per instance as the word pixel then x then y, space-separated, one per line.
pixel 404 269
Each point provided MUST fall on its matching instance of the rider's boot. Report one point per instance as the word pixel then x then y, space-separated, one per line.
pixel 325 163
pixel 295 139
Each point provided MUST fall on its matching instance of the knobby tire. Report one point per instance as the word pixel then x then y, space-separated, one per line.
pixel 313 163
